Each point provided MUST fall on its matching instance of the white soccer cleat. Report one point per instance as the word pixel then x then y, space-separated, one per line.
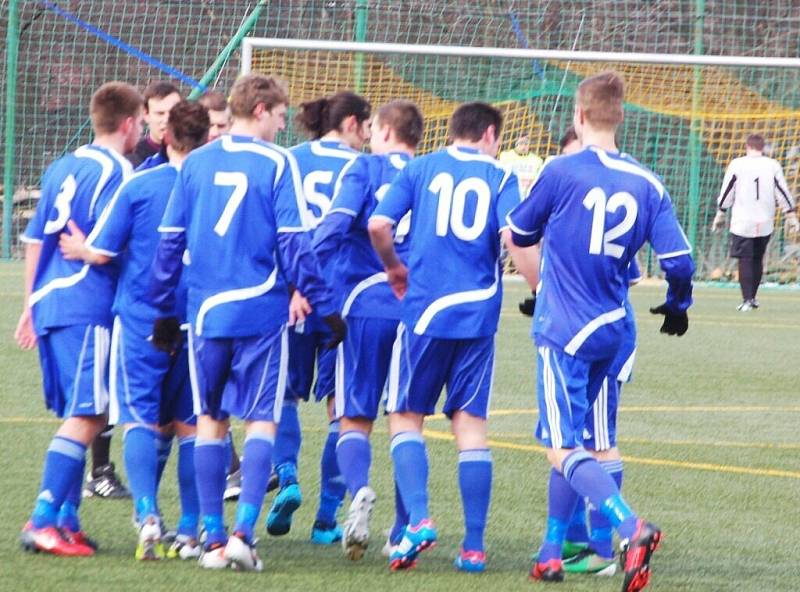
pixel 242 556
pixel 213 559
pixel 355 538
pixel 150 547
pixel 388 546
pixel 184 547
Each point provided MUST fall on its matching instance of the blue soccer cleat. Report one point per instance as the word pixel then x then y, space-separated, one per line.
pixel 279 519
pixel 415 540
pixel 470 561
pixel 323 533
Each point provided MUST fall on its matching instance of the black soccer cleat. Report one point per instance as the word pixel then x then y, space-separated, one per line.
pixel 103 482
pixel 635 556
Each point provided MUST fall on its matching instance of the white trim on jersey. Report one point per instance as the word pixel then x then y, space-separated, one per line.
pixel 514 229
pixel 29 240
pixel 592 326
pixel 58 284
pixel 229 145
pixel 668 255
pixel 364 284
pixel 318 149
pixel 106 166
pixel 342 211
pixel 338 185
pixel 391 221
pixel 628 167
pixel 480 156
pixel 233 296
pixel 164 229
pixel 550 399
pixel 455 299
pixel 627 368
pixel 299 195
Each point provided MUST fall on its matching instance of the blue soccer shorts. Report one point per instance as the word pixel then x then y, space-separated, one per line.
pixel 600 432
pixel 566 388
pixel 147 386
pixel 421 366
pixel 362 366
pixel 245 377
pixel 74 363
pixel 306 350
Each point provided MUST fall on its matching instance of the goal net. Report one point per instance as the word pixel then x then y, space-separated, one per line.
pixel 685 117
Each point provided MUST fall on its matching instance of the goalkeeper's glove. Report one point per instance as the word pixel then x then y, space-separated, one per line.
pixel 675 323
pixel 528 305
pixel 167 335
pixel 791 222
pixel 719 222
pixel 338 327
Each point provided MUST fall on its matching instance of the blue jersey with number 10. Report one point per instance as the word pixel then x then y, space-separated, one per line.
pixel 459 198
pixel 595 209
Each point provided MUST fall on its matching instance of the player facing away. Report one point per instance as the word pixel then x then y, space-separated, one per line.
pixel 339 127
pixel 235 217
pixel 753 185
pixel 68 313
pixel 451 294
pixel 593 210
pixel 342 244
pixel 150 392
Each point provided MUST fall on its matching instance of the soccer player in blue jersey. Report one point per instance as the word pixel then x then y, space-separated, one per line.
pixel 338 126
pixel 68 313
pixel 236 217
pixel 150 392
pixel 593 210
pixel 342 244
pixel 451 295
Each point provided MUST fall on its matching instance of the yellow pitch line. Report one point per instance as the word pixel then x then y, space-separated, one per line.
pixel 658 408
pixel 697 466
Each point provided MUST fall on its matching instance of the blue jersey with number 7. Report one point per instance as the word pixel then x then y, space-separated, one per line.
pixel 594 210
pixel 459 198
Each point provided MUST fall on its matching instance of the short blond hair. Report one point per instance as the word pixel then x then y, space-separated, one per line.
pixel 252 89
pixel 601 99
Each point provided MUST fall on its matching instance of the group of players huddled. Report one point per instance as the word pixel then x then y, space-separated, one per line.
pixel 226 277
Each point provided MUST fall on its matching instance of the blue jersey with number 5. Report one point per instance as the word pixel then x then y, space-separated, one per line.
pixel 594 210
pixel 460 199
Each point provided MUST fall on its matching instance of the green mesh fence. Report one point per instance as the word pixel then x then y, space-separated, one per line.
pixel 686 123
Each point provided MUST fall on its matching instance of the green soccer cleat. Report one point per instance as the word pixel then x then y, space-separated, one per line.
pixel 568 551
pixel 589 562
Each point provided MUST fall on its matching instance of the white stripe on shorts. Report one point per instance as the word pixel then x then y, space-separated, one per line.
pixel 196 404
pixel 283 372
pixel 551 404
pixel 394 370
pixel 113 408
pixel 339 395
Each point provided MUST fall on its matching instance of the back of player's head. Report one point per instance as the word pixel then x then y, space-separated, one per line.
pixel 405 118
pixel 112 104
pixel 601 98
pixel 252 89
pixel 159 90
pixel 568 137
pixel 755 142
pixel 214 101
pixel 471 120
pixel 187 126
pixel 324 115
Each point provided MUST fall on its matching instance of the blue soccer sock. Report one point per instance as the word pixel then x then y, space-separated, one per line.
pixel 475 481
pixel 590 480
pixel 163 450
pixel 256 467
pixel 400 517
pixel 68 514
pixel 602 531
pixel 287 443
pixel 63 465
pixel 141 464
pixel 411 474
pixel 354 456
pixel 187 487
pixel 577 532
pixel 332 488
pixel 561 500
pixel 209 466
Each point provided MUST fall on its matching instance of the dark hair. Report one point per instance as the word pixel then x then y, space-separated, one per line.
pixel 159 90
pixel 405 118
pixel 601 97
pixel 327 114
pixel 214 101
pixel 188 125
pixel 112 104
pixel 252 89
pixel 755 142
pixel 471 120
pixel 568 137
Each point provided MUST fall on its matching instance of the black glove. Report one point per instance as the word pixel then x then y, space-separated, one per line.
pixel 338 327
pixel 675 323
pixel 167 335
pixel 528 305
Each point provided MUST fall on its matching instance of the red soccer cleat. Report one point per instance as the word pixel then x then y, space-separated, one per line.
pixel 52 540
pixel 636 554
pixel 550 571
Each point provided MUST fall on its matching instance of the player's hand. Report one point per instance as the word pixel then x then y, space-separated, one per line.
pixel 24 334
pixel 71 243
pixel 338 327
pixel 792 225
pixel 719 222
pixel 299 308
pixel 167 335
pixel 398 280
pixel 528 305
pixel 675 323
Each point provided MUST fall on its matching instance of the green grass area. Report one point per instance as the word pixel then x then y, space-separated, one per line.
pixel 709 428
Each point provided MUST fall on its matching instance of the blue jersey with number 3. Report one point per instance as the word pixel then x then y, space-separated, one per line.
pixel 594 210
pixel 460 199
